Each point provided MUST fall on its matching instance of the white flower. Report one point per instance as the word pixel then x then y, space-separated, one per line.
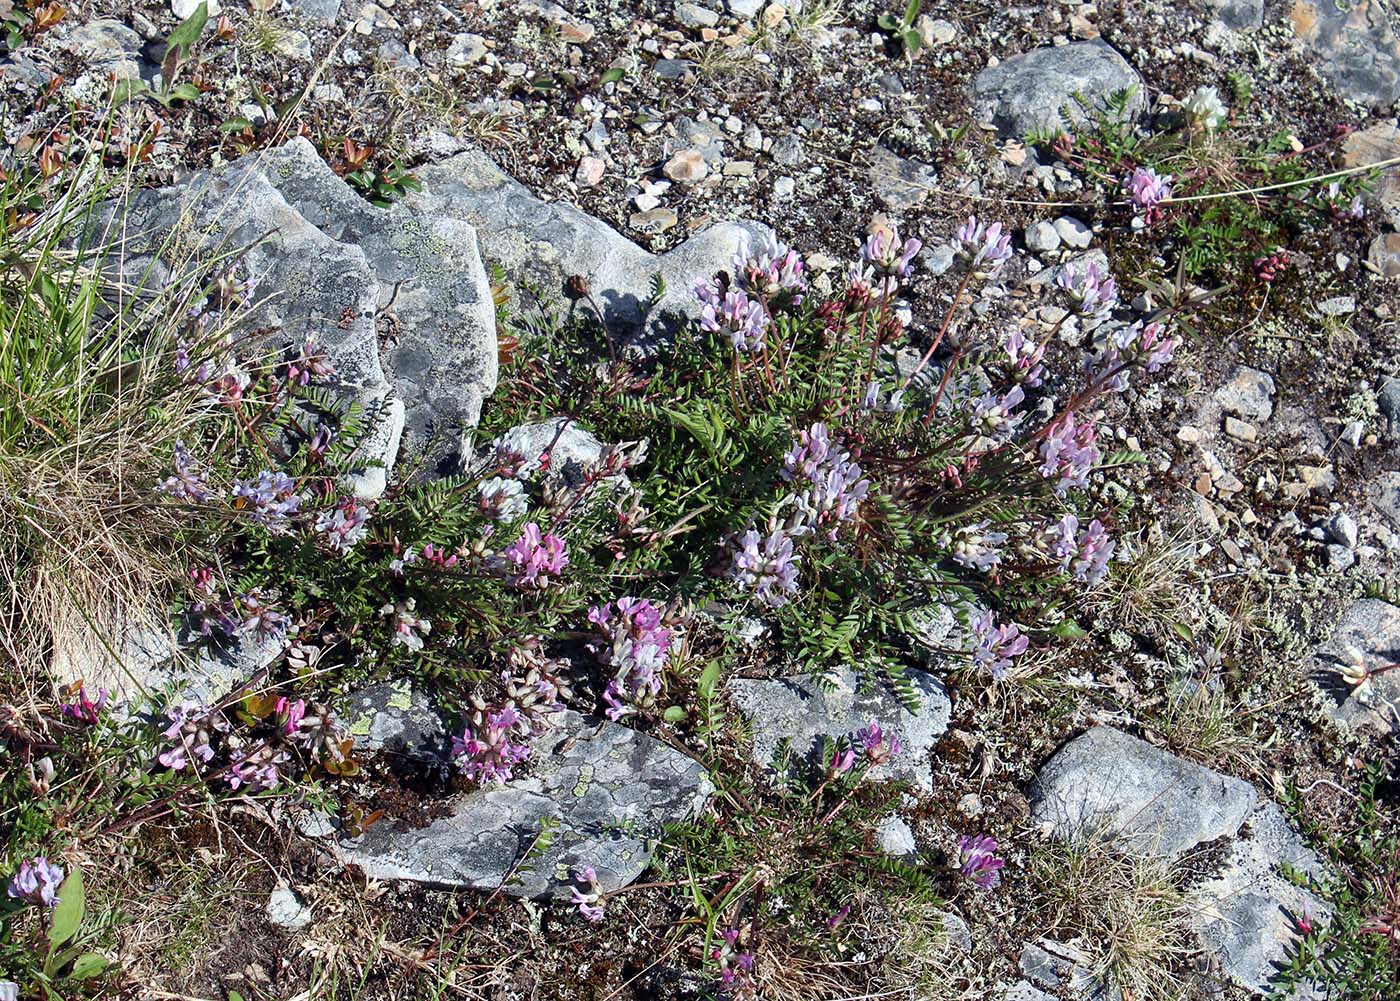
pixel 503 499
pixel 1204 107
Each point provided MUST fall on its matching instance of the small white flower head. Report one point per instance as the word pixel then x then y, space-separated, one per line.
pixel 1204 108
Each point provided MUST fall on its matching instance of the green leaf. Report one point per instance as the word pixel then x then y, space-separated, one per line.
pixel 187 32
pixel 235 125
pixel 911 11
pixel 709 680
pixel 88 965
pixel 612 75
pixel 68 915
pixel 674 714
pixel 234 996
pixel 185 92
pixel 912 41
pixel 887 22
pixel 1070 630
pixel 1183 630
pixel 128 90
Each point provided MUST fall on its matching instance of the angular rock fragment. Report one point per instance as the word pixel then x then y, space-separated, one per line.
pixel 1027 93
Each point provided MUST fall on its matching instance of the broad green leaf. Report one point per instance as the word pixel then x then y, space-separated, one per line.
pixel 88 965
pixel 235 125
pixel 187 32
pixel 68 915
pixel 674 714
pixel 612 75
pixel 1183 630
pixel 185 92
pixel 1070 630
pixel 887 22
pixel 709 679
pixel 911 11
pixel 912 41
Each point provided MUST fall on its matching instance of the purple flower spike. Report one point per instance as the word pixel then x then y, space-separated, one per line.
pixel 980 861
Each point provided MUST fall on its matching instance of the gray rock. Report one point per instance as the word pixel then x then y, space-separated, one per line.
pixel 1106 781
pixel 787 150
pixel 1388 398
pixel 1041 237
pixel 109 45
pixel 895 838
pixel 541 244
pixel 1371 627
pixel 1340 558
pixel 571 448
pixel 744 9
pixel 609 788
pixel 692 15
pixel 184 8
pixel 1247 915
pixel 1021 990
pixel 800 712
pixel 1353 45
pixel 325 11
pixel 898 183
pixel 1064 971
pixel 286 910
pixel 1027 93
pixel 394 719
pixel 957 931
pixel 1242 15
pixel 937 259
pixel 1073 232
pixel 466 49
pixel 1342 527
pixel 1384 495
pixel 673 69
pixel 1248 394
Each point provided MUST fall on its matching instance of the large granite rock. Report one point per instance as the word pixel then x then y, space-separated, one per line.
pixel 608 788
pixel 542 244
pixel 1108 782
pixel 1372 627
pixel 1027 93
pixel 1354 45
pixel 805 714
pixel 1248 915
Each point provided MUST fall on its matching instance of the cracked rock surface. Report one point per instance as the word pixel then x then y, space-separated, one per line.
pixel 1027 93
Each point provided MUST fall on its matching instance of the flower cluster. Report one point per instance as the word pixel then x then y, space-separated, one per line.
pixel 765 565
pixel 1340 208
pixel 589 898
pixel 187 482
pixel 771 270
pixel 84 709
pixel 1069 453
pixel 487 751
pixel 410 629
pixel 310 363
pixel 979 860
pixel 1147 190
pixel 1148 345
pixel 732 312
pixel 344 525
pixel 997 644
pixel 1024 356
pixel 982 249
pixel 535 557
pixel 37 882
pixel 735 965
pixel 975 547
pixel 1086 553
pixel 270 498
pixel 1092 293
pixel 883 252
pixel 1204 108
pixel 636 653
pixel 993 415
pixel 502 499
pixel 834 485
pixel 877 747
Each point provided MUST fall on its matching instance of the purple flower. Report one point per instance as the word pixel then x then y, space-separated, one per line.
pixel 996 644
pixel 261 618
pixel 252 772
pixel 765 565
pixel 835 487
pixel 1025 357
pixel 270 498
pixel 979 860
pixel 975 547
pixel 84 709
pixel 321 442
pixel 311 363
pixel 878 749
pixel 409 629
pixel 588 900
pixel 992 414
pixel 187 482
pixel 636 651
pixel 734 966
pixel 883 252
pixel 1147 345
pixel 735 314
pixel 486 752
pixel 771 270
pixel 982 249
pixel 37 882
pixel 1147 189
pixel 842 761
pixel 535 557
pixel 1088 552
pixel 1068 453
pixel 344 525
pixel 290 714
pixel 1091 293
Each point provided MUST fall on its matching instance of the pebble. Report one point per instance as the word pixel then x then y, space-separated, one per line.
pixel 285 909
pixel 1342 528
pixel 294 45
pixel 673 69
pixel 753 138
pixel 1243 430
pixel 1340 557
pixel 935 30
pixel 1073 232
pixel 184 8
pixel 687 167
pixel 738 168
pixel 466 49
pixel 1042 237
pixel 1339 305
pixel 645 201
pixel 657 220
pixel 1249 393
pixel 590 171
pixel 784 188
pixel 692 15
pixel 787 151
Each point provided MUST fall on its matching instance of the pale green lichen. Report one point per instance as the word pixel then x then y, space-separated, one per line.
pixel 585 779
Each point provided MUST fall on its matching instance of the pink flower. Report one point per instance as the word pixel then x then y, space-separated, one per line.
pixel 536 557
pixel 878 749
pixel 589 900
pixel 980 862
pixel 997 644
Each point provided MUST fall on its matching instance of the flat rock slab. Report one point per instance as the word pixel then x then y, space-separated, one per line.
pixel 1355 47
pixel 1109 782
pixel 608 788
pixel 1372 627
pixel 807 715
pixel 1026 93
pixel 542 244
pixel 394 719
pixel 1247 916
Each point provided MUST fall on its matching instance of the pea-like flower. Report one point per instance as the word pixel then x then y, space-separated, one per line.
pixel 588 897
pixel 834 485
pixel 735 314
pixel 636 651
pixel 502 499
pixel 878 747
pixel 975 547
pixel 535 557
pixel 1069 453
pixel 489 752
pixel 84 709
pixel 410 629
pixel 1146 345
pixel 37 882
pixel 883 252
pixel 1204 108
pixel 1025 357
pixel 270 498
pixel 1086 553
pixel 765 565
pixel 344 525
pixel 1091 292
pixel 187 482
pixel 982 249
pixel 771 270
pixel 1147 190
pixel 994 416
pixel 311 363
pixel 980 861
pixel 997 644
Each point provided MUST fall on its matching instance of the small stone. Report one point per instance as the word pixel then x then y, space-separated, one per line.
pixel 1384 255
pixel 1042 237
pixel 688 166
pixel 938 259
pixel 295 45
pixel 784 188
pixel 895 838
pixel 1028 92
pixel 1190 435
pixel 738 168
pixel 1249 393
pixel 285 909
pixel 898 183
pixel 1339 557
pixel 1242 430
pixel 935 31
pixel 466 49
pixel 692 15
pixel 753 138
pixel 1342 528
pixel 645 201
pixel 787 150
pixel 672 69
pixel 774 14
pixel 1339 305
pixel 657 220
pixel 184 8
pixel 1073 232
pixel 590 171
